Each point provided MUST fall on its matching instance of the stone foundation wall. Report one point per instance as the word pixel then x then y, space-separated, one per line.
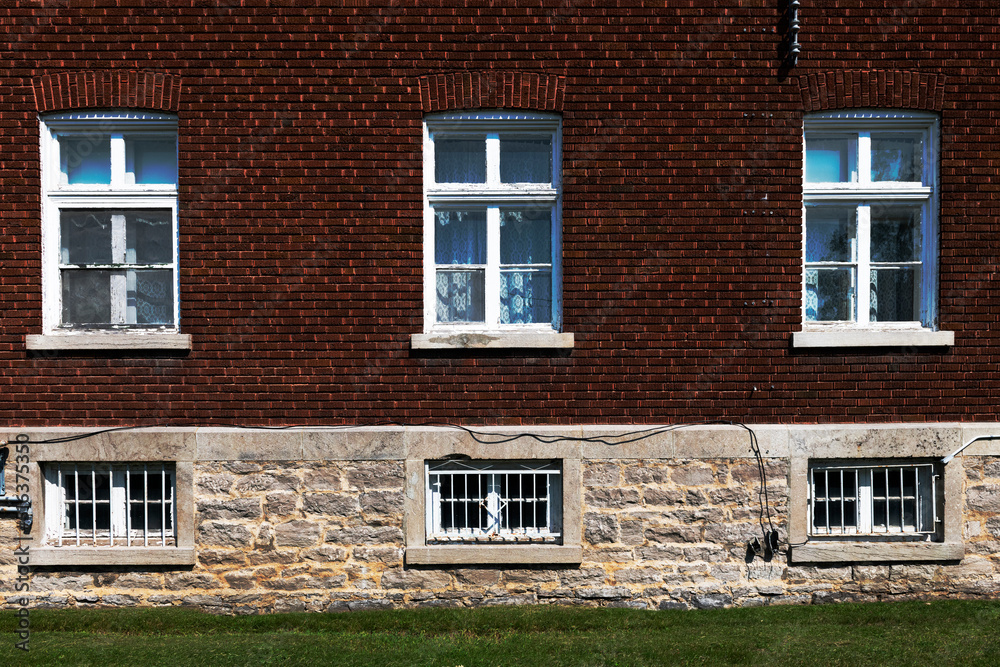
pixel 328 536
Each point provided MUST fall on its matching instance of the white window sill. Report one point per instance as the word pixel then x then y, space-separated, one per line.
pixel 112 556
pixel 872 338
pixel 131 340
pixel 494 554
pixel 471 340
pixel 876 552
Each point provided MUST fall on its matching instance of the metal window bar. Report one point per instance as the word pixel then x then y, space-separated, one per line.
pixel 472 505
pixel 118 478
pixel 877 499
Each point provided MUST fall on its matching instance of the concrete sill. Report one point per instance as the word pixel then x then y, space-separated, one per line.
pixel 494 554
pixel 109 341
pixel 63 556
pixel 876 552
pixel 872 338
pixel 455 340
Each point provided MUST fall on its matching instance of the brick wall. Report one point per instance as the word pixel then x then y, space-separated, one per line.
pixel 300 195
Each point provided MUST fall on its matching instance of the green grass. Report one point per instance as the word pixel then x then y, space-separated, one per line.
pixel 905 633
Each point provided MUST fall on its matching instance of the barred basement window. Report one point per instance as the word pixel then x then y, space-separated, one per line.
pixel 875 500
pixel 494 501
pixel 96 504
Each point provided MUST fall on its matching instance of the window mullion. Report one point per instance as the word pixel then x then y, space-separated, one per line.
pixel 117 160
pixel 863 290
pixel 492 278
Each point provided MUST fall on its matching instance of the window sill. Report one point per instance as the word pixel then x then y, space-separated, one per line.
pixel 471 340
pixel 494 554
pixel 872 338
pixel 112 556
pixel 109 341
pixel 876 552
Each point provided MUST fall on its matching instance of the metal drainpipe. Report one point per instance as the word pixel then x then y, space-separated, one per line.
pixel 961 449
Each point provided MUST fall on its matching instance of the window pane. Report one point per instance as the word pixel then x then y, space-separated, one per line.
pixel 828 160
pixel 153 160
pixel 892 295
pixel 896 235
pixel 831 234
pixel 88 158
pixel 897 158
pixel 461 296
pixel 525 159
pixel 150 295
pixel 460 160
pixel 829 294
pixel 460 237
pixel 525 297
pixel 86 297
pixel 526 236
pixel 85 237
pixel 149 237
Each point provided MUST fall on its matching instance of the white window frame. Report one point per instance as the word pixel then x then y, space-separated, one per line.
pixel 861 192
pixel 853 488
pixel 121 533
pixel 491 195
pixel 500 512
pixel 121 194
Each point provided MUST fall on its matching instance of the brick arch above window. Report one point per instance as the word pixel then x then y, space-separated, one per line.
pixel 491 90
pixel 872 89
pixel 114 89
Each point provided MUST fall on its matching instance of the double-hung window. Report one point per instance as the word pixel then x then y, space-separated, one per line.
pixel 491 223
pixel 109 223
pixel 870 198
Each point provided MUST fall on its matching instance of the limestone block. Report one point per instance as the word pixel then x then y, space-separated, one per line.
pixel 692 474
pixel 54 582
pixel 280 503
pixel 484 578
pixel 376 475
pixel 415 579
pixel 184 580
pixel 590 576
pixel 657 497
pixel 632 532
pixel 711 601
pixel 267 481
pixel 324 478
pixel 638 575
pixel 666 552
pixel 644 473
pixel 325 554
pixel 365 535
pixel 215 484
pixel 612 498
pixel 224 534
pixel 389 555
pixel 604 593
pixel 601 474
pixel 221 557
pixel 236 508
pixel 984 498
pixel 331 504
pixel 600 528
pixel 521 577
pixel 382 502
pixel 612 555
pixel 296 534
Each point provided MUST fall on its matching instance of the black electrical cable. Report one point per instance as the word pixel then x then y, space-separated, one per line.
pixel 769 533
